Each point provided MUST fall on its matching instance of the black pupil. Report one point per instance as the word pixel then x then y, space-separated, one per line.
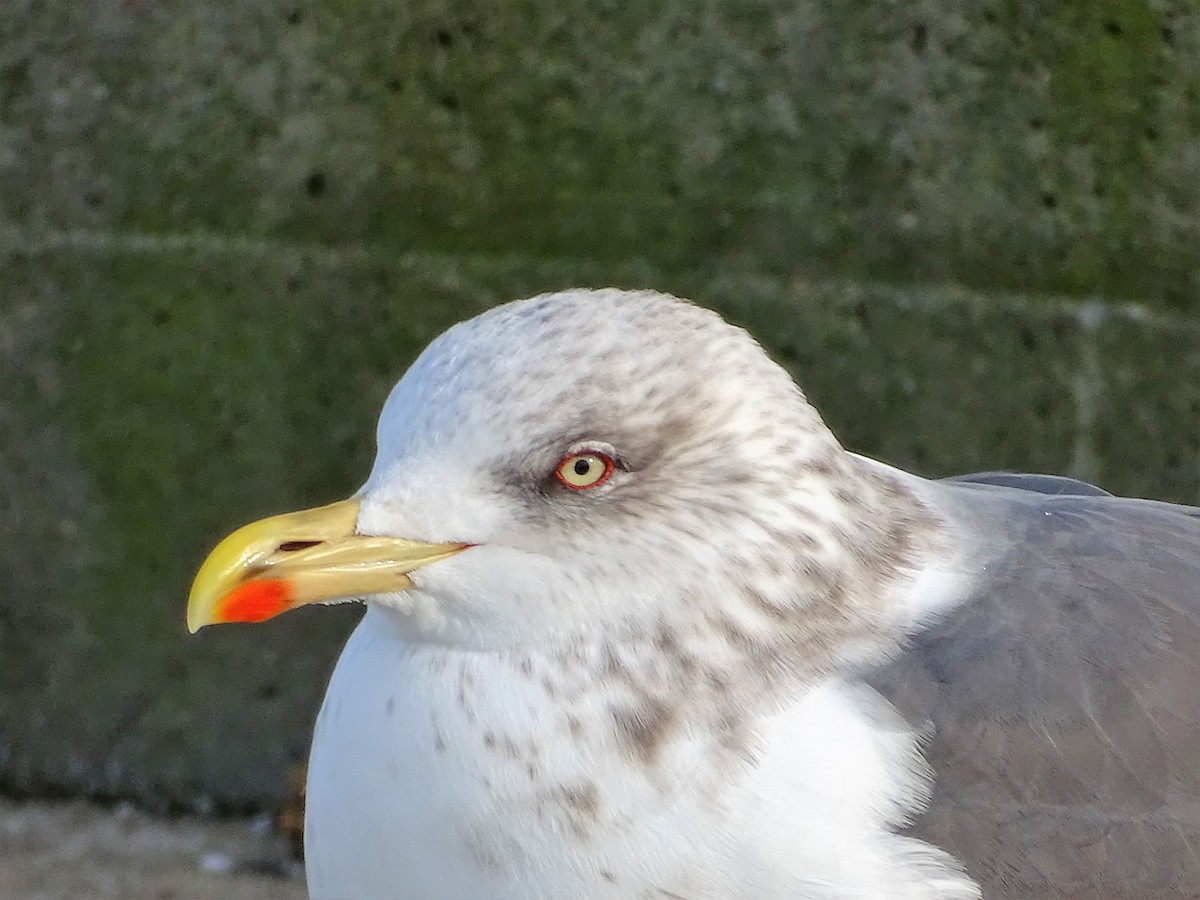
pixel 582 466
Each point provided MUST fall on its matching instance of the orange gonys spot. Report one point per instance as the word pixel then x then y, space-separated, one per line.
pixel 255 601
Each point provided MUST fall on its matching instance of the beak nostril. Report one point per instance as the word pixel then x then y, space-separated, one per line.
pixel 293 546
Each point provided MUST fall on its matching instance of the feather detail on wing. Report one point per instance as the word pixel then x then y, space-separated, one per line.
pixel 1061 695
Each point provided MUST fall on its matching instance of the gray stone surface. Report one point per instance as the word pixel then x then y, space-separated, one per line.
pixel 969 229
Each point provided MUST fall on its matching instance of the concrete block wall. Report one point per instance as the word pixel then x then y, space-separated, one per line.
pixel 969 228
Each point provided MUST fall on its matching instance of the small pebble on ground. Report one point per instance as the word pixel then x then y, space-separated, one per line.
pixel 66 851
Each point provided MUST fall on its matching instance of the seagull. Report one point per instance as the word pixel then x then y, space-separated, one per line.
pixel 639 627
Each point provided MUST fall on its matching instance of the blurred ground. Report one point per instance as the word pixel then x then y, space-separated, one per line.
pixel 67 851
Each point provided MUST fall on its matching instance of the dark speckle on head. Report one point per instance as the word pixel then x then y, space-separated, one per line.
pixel 583 798
pixel 645 728
pixel 574 726
pixel 575 804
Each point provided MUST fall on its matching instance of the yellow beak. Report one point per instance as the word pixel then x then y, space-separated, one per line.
pixel 313 556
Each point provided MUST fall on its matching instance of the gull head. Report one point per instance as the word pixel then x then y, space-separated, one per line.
pixel 577 464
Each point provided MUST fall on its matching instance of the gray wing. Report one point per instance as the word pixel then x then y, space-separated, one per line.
pixel 1038 484
pixel 1063 696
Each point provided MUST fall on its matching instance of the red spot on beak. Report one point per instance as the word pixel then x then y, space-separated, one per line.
pixel 256 601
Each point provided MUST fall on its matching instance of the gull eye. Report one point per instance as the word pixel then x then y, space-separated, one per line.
pixel 581 471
